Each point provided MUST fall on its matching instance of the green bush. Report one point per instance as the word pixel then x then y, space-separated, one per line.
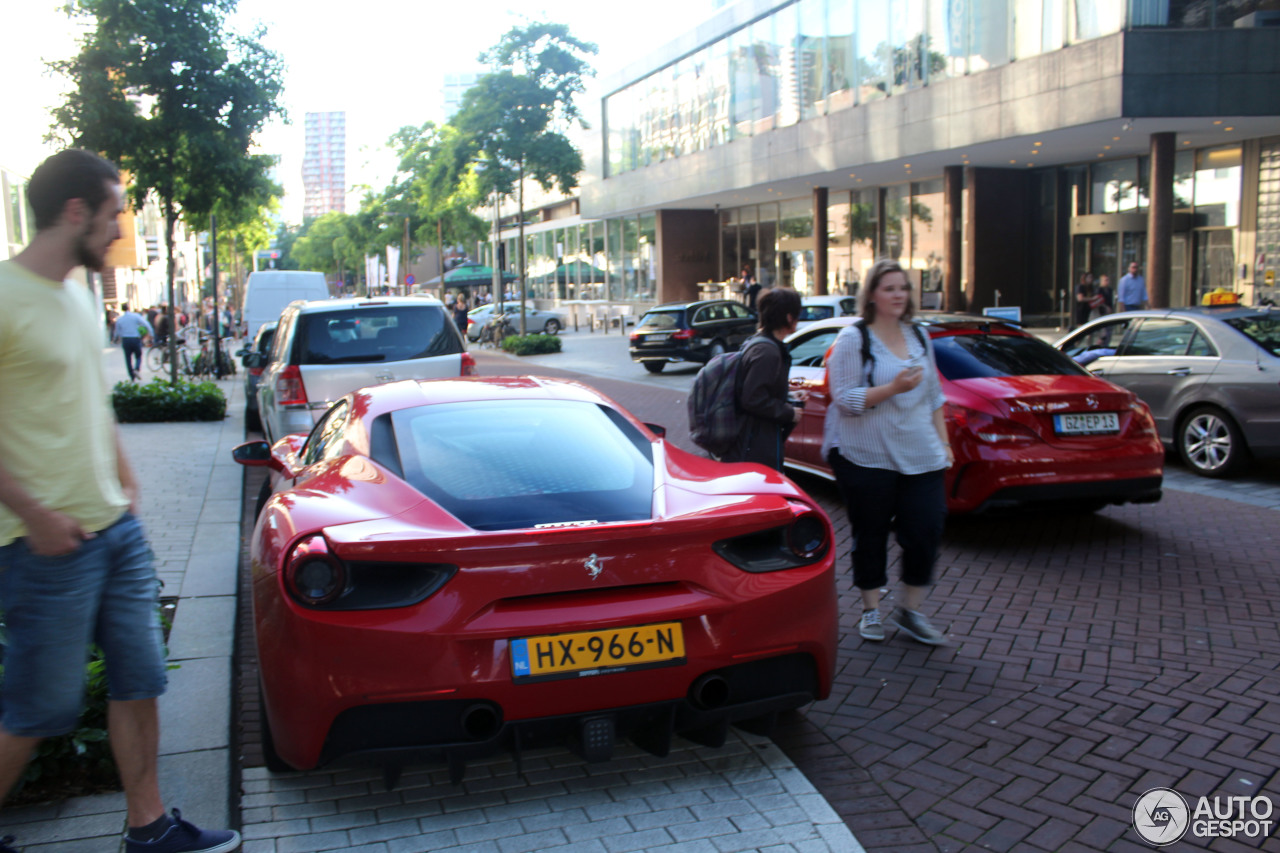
pixel 161 400
pixel 531 344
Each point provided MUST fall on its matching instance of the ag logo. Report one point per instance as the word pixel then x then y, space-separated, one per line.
pixel 1161 816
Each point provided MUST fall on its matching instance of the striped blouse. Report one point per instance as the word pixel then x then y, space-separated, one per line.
pixel 898 434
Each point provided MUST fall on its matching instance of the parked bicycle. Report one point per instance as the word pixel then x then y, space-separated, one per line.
pixel 157 357
pixel 204 363
pixel 494 331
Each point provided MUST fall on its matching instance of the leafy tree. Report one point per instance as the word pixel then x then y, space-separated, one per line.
pixel 511 125
pixel 331 242
pixel 165 89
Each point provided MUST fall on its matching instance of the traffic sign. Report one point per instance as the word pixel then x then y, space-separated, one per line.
pixel 409 279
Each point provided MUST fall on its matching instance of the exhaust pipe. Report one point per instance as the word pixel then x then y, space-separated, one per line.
pixel 480 722
pixel 709 692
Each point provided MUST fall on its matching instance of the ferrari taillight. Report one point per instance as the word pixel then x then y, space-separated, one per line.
pixel 314 576
pixel 805 540
pixel 289 388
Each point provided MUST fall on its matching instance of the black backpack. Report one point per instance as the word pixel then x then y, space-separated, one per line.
pixel 714 422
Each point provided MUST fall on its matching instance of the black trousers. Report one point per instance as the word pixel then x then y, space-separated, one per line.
pixel 132 355
pixel 914 505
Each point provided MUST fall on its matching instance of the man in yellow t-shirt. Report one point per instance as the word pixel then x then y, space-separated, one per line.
pixel 75 565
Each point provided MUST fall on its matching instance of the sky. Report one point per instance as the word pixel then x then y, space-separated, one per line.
pixel 380 61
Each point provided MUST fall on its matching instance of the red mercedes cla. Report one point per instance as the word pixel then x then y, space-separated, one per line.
pixel 1028 425
pixel 447 568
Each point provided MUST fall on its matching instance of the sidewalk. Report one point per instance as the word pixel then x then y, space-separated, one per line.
pixel 191 511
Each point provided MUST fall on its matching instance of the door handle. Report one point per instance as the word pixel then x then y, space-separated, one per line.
pixel 1180 371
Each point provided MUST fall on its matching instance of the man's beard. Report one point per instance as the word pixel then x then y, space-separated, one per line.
pixel 85 254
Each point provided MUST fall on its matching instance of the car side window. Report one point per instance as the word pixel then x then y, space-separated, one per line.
pixel 1200 345
pixel 1107 336
pixel 284 338
pixel 810 351
pixel 1160 336
pixel 323 441
pixel 739 312
pixel 703 315
pixel 848 307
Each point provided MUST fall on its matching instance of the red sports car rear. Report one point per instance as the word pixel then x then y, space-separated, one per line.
pixel 453 567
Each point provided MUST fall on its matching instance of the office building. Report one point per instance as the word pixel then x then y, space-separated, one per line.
pixel 324 165
pixel 452 90
pixel 998 148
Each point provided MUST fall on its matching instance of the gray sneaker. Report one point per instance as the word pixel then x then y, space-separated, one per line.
pixel 871 628
pixel 917 627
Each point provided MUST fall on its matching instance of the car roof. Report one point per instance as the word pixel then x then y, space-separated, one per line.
pixel 679 306
pixel 1215 312
pixel 935 323
pixel 829 299
pixel 347 303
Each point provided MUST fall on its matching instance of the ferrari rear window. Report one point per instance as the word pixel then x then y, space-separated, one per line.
pixel 501 465
pixel 973 356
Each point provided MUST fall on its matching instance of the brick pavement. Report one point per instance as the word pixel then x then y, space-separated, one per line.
pixel 1093 657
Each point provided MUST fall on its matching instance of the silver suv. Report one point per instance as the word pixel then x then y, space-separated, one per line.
pixel 326 349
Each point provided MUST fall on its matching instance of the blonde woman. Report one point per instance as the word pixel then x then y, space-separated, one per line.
pixel 886 439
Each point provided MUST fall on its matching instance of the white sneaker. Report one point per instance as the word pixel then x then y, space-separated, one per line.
pixel 917 627
pixel 871 628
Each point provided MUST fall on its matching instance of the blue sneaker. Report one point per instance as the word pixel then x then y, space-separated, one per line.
pixel 185 837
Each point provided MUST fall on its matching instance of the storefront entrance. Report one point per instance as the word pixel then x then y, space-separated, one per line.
pixel 1106 244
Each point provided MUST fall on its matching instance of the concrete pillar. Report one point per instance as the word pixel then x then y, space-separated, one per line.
pixel 953 248
pixel 820 241
pixel 1160 220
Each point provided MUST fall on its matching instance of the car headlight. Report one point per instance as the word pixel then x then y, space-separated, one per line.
pixel 802 542
pixel 317 578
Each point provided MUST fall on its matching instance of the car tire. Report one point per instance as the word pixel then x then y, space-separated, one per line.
pixel 1210 443
pixel 252 421
pixel 271 758
pixel 716 348
pixel 654 366
pixel 552 327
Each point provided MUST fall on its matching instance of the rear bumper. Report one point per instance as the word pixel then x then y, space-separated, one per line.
pixel 1139 490
pixel 666 354
pixel 457 730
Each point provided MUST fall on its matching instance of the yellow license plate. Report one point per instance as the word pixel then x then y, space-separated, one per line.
pixel 597 652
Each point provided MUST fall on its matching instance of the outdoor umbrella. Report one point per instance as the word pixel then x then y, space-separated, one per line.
pixel 467 275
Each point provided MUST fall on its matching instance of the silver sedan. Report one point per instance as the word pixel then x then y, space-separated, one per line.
pixel 1210 375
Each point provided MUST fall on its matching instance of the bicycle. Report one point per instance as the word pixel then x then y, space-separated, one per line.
pixel 157 358
pixel 495 330
pixel 203 363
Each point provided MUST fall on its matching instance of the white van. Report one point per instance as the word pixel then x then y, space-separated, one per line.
pixel 268 292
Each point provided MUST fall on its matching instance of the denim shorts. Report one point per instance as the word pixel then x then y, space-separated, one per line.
pixel 104 592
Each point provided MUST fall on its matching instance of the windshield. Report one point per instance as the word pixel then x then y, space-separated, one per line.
pixel 500 465
pixel 385 333
pixel 1262 329
pixel 974 356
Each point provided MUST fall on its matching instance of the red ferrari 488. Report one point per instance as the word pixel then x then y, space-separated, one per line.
pixel 447 568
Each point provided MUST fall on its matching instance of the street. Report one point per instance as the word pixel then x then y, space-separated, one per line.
pixel 1092 657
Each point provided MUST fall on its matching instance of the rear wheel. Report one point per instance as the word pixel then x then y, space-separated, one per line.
pixel 654 366
pixel 155 359
pixel 251 420
pixel 717 348
pixel 552 327
pixel 1210 442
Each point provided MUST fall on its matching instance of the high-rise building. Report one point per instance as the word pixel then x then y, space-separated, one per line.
pixel 324 166
pixel 452 90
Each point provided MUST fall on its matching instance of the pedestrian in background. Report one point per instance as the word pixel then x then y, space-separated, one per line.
pixel 130 329
pixel 1084 295
pixel 886 440
pixel 1132 293
pixel 768 414
pixel 460 315
pixel 75 565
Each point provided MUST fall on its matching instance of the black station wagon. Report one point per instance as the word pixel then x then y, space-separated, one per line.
pixel 690 332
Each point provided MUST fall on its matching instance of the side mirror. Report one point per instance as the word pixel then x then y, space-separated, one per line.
pixel 242 352
pixel 659 431
pixel 253 454
pixel 253 359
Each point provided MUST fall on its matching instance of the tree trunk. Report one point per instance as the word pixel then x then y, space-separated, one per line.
pixel 170 218
pixel 520 204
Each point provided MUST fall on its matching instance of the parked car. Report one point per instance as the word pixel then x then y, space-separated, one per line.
pixel 268 292
pixel 690 332
pixel 1027 424
pixel 323 350
pixel 453 567
pixel 536 320
pixel 815 308
pixel 1211 376
pixel 254 358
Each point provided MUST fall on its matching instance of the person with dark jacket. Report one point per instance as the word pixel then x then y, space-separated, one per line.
pixel 767 414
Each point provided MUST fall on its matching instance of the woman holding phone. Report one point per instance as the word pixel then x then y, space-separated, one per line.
pixel 886 439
